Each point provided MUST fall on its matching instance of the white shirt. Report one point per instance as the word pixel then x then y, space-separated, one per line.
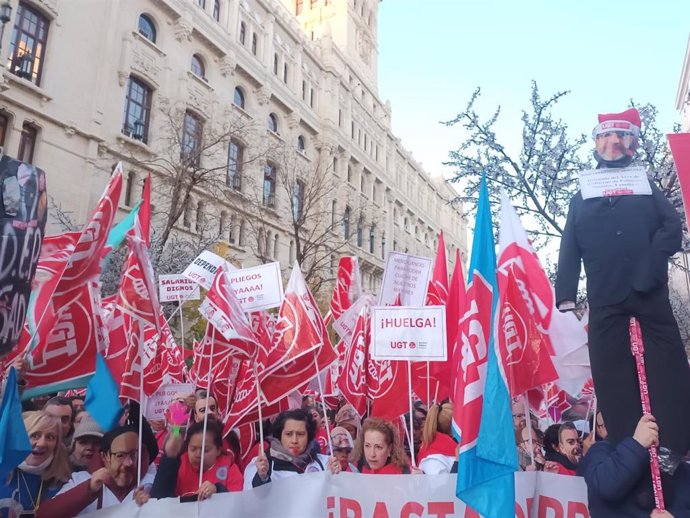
pixel 250 470
pixel 436 463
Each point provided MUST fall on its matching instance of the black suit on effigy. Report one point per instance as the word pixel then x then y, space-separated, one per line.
pixel 624 243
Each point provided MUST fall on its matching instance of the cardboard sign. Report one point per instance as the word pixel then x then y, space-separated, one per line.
pixel 175 288
pixel 407 275
pixel 345 325
pixel 597 183
pixel 203 268
pixel 259 287
pixel 406 333
pixel 158 403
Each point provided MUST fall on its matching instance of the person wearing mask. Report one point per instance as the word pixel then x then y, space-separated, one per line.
pixel 292 451
pixel 178 473
pixel 112 484
pixel 61 407
pixel 617 477
pixel 568 453
pixel 205 403
pixel 342 448
pixel 44 471
pixel 525 454
pixel 437 453
pixel 379 450
pixel 518 410
pixel 348 418
pixel 86 442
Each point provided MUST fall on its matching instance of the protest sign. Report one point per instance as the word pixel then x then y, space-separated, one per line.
pixel 353 495
pixel 259 287
pixel 203 268
pixel 405 333
pixel 158 403
pixel 596 183
pixel 405 275
pixel 174 288
pixel 345 325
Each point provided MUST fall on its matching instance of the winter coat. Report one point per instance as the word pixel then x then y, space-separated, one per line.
pixel 22 489
pixel 439 456
pixel 177 477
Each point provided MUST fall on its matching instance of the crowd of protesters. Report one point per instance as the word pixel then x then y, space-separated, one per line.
pixel 75 467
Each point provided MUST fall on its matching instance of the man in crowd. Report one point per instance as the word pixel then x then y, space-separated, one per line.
pixel 61 407
pixel 114 483
pixel 525 454
pixel 518 410
pixel 206 403
pixel 77 404
pixel 568 452
pixel 85 443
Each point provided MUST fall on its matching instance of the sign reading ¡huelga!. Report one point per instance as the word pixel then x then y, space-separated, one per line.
pixel 176 288
pixel 404 333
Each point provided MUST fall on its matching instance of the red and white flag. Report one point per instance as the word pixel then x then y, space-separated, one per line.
pixel 352 380
pixel 348 286
pixel 446 371
pixel 224 312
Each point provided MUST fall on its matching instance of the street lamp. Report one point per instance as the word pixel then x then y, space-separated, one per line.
pixel 26 63
pixel 138 130
pixel 5 16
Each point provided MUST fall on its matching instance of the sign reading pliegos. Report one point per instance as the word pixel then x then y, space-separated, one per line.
pixel 406 333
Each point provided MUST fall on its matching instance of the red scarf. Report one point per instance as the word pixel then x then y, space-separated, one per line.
pixel 388 469
pixel 442 444
pixel 223 472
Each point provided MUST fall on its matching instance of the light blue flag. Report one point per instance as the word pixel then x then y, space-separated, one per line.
pixel 486 470
pixel 103 397
pixel 14 441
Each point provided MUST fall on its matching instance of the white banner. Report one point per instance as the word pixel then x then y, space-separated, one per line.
pixel 203 268
pixel 406 275
pixel 345 325
pixel 350 495
pixel 158 403
pixel 404 333
pixel 175 288
pixel 259 287
pixel 597 183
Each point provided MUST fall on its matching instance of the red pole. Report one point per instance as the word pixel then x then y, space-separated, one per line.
pixel 637 348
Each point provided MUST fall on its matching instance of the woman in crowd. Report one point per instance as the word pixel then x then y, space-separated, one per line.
pixel 178 472
pixel 342 448
pixel 438 451
pixel 41 475
pixel 348 418
pixel 321 434
pixel 379 450
pixel 292 451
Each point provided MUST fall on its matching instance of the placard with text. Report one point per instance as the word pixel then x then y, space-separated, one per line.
pixel 259 287
pixel 406 333
pixel 405 275
pixel 176 288
pixel 598 183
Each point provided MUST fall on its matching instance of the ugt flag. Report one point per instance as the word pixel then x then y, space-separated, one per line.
pixel 488 459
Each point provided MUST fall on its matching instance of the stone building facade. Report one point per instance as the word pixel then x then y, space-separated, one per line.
pixel 87 83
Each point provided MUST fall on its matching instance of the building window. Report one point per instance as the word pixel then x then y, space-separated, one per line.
pixel 333 212
pixel 298 201
pixel 285 73
pixel 137 110
pixel 311 98
pixel 301 147
pixel 235 157
pixel 146 28
pixel 243 32
pixel 292 252
pixel 201 3
pixel 340 118
pixel 360 232
pixel 255 44
pixel 27 143
pixel 242 238
pixel 304 90
pixel 198 68
pixel 28 44
pixel 238 100
pixel 383 245
pixel 273 123
pixel 269 194
pixel 275 64
pixel 216 10
pixel 372 239
pixel 187 214
pixel 200 216
pixel 349 173
pixel 231 230
pixel 4 124
pixel 298 7
pixel 346 223
pixel 276 244
pixel 131 181
pixel 192 130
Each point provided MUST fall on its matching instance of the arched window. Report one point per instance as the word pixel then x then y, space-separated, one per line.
pixel 298 201
pixel 235 162
pixel 292 252
pixel 187 215
pixel 238 99
pixel 255 44
pixel 147 28
pixel 231 230
pixel 261 241
pixel 273 123
pixel 383 245
pixel 360 232
pixel 200 216
pixel 275 247
pixel 333 212
pixel 27 143
pixel 192 132
pixel 216 10
pixel 243 32
pixel 301 147
pixel 223 223
pixel 285 72
pixel 137 110
pixel 267 246
pixel 198 68
pixel 372 239
pixel 349 173
pixel 243 233
pixel 269 194
pixel 346 223
pixel 275 64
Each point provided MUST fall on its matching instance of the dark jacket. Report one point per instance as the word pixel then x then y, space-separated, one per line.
pixel 624 243
pixel 613 473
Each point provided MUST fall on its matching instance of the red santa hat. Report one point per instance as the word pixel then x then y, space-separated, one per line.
pixel 628 121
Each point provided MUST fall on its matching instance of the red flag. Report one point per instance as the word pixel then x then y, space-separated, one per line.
pixel 680 149
pixel 388 388
pixel 352 380
pixel 300 336
pixel 224 312
pixel 445 372
pixel 523 347
pixel 67 264
pixel 437 294
pixel 348 286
